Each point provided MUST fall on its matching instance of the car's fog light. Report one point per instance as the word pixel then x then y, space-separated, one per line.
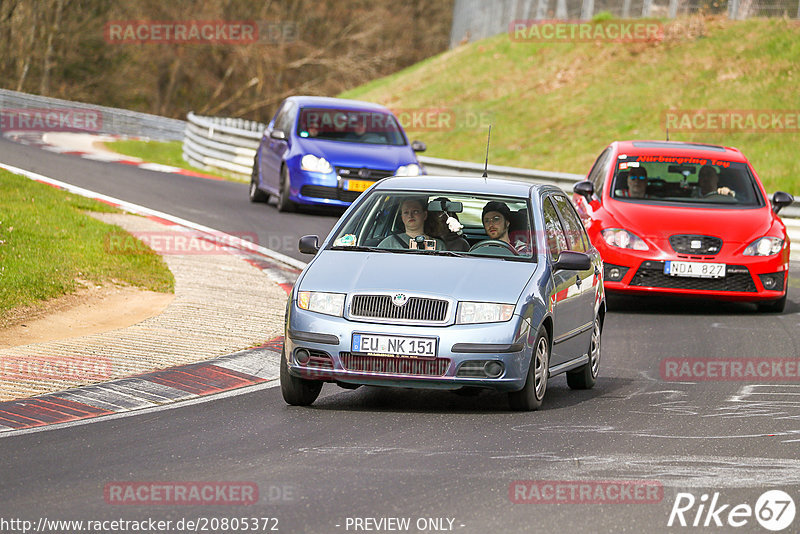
pixel 493 369
pixel 772 281
pixel 614 273
pixel 302 356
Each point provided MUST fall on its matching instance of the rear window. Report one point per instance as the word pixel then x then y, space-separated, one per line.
pixel 686 180
pixel 352 126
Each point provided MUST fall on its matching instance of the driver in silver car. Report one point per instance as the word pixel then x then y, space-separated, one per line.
pixel 497 219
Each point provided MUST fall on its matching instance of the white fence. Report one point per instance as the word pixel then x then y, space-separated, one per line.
pixel 221 144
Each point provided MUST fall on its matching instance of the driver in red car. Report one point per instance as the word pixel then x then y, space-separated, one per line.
pixel 496 218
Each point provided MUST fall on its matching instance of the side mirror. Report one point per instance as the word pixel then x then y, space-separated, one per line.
pixel 573 261
pixel 585 189
pixel 418 146
pixel 780 200
pixel 280 135
pixel 309 244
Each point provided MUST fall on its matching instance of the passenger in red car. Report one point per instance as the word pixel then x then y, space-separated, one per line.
pixel 637 183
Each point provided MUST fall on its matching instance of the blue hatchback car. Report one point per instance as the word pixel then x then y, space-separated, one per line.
pixel 327 151
pixel 448 283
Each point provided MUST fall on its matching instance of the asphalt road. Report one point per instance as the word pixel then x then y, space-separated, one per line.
pixel 433 457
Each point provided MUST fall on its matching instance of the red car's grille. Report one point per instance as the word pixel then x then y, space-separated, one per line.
pixel 651 274
pixel 705 245
pixel 395 366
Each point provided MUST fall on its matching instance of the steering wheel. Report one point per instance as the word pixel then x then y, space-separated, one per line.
pixel 494 243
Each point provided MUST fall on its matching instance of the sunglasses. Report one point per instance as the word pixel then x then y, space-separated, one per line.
pixel 638 177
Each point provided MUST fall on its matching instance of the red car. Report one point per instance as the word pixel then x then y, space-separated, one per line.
pixel 685 219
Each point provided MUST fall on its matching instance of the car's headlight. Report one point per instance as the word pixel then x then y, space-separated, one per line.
pixel 483 312
pixel 312 163
pixel 617 237
pixel 766 246
pixel 317 301
pixel 412 169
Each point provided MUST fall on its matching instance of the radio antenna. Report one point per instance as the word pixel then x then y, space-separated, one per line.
pixel 667 133
pixel 486 165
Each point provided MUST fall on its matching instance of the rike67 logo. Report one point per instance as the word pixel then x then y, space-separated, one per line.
pixel 774 510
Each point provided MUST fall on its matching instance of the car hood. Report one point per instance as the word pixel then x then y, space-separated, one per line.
pixel 474 279
pixel 342 154
pixel 660 222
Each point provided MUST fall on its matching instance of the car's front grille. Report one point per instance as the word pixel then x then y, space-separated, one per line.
pixel 333 193
pixel 415 308
pixel 703 245
pixel 395 366
pixel 651 274
pixel 362 173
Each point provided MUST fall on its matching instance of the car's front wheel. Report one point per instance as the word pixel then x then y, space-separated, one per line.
pixel 585 376
pixel 284 201
pixel 530 397
pixel 773 306
pixel 256 194
pixel 297 391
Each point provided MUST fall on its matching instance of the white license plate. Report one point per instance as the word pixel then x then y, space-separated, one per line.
pixel 420 347
pixel 694 269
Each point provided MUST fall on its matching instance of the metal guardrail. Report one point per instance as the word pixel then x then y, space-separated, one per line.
pixel 111 120
pixel 222 144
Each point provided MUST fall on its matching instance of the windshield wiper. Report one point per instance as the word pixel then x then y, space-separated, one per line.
pixel 360 248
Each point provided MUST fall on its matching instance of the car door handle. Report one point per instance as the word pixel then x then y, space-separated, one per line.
pixel 578 281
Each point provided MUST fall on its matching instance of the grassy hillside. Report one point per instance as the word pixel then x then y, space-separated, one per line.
pixel 555 106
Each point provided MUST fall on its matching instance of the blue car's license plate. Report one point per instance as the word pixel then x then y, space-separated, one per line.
pixel 419 347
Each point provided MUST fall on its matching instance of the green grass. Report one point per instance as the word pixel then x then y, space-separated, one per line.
pixel 555 106
pixel 165 153
pixel 47 243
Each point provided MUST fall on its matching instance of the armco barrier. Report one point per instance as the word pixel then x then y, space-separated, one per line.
pixel 222 144
pixel 112 120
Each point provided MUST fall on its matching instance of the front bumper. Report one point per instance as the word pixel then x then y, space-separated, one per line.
pixel 328 340
pixel 642 273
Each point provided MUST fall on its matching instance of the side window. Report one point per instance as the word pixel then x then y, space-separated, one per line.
pixel 278 114
pixel 555 234
pixel 599 171
pixel 572 224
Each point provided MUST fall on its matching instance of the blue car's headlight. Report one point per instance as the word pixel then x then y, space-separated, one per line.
pixel 483 312
pixel 765 246
pixel 412 169
pixel 618 237
pixel 314 164
pixel 317 301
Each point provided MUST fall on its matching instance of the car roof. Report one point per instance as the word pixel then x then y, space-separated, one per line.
pixel 679 148
pixel 328 102
pixel 464 185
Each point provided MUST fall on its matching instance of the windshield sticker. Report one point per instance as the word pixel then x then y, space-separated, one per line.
pixel 681 161
pixel 623 166
pixel 347 240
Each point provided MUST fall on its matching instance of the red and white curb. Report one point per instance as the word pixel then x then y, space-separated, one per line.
pixel 40 140
pixel 155 390
pixel 148 391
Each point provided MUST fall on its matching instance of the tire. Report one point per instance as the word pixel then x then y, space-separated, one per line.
pixel 773 306
pixel 284 202
pixel 297 391
pixel 530 397
pixel 585 376
pixel 256 194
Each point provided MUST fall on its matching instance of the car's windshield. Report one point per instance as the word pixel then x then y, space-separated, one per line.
pixel 352 126
pixel 446 223
pixel 687 180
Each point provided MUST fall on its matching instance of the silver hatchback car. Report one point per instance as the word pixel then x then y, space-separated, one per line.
pixel 448 283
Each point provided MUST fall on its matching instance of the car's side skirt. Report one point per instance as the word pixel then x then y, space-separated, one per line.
pixel 567 366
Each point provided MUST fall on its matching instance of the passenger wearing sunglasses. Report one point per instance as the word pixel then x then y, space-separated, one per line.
pixel 496 217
